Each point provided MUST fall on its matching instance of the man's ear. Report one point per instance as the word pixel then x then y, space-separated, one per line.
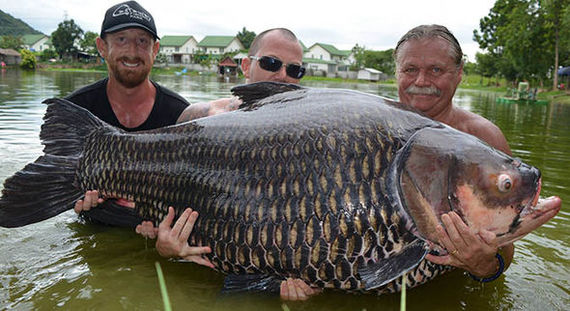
pixel 459 75
pixel 155 48
pixel 245 65
pixel 101 47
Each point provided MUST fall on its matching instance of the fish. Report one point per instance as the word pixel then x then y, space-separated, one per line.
pixel 339 188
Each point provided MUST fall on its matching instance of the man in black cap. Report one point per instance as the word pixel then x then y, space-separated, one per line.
pixel 127 98
pixel 130 100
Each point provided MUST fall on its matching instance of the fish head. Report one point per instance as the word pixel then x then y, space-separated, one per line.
pixel 443 170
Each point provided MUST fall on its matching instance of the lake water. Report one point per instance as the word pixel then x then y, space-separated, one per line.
pixel 62 263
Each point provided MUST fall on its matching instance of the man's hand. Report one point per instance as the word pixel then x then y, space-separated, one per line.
pixel 147 229
pixel 90 200
pixel 474 252
pixel 173 242
pixel 296 289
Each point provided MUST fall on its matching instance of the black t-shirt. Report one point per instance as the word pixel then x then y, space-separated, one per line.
pixel 167 106
pixel 166 109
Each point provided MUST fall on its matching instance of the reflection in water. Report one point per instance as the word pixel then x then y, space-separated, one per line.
pixel 64 263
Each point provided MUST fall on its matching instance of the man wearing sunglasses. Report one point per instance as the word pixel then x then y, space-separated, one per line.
pixel 274 55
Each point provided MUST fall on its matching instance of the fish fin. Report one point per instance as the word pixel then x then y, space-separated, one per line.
pixel 237 283
pixel 253 92
pixel 388 269
pixel 47 187
pixel 112 214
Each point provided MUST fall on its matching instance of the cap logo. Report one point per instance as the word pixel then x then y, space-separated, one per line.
pixel 131 13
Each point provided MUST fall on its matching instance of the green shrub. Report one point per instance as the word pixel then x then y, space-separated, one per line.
pixel 28 60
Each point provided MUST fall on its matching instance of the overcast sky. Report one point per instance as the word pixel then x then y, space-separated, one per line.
pixel 374 24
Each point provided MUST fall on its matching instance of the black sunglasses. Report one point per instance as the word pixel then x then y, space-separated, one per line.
pixel 273 64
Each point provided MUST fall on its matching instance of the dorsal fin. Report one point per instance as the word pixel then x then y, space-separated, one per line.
pixel 251 93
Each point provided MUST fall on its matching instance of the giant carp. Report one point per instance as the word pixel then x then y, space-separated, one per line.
pixel 339 188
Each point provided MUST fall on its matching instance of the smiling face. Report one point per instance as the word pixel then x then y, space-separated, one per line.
pixel 276 45
pixel 129 55
pixel 427 74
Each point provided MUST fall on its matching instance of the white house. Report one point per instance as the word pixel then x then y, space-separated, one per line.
pixel 36 43
pixel 178 49
pixel 218 45
pixel 327 58
pixel 370 74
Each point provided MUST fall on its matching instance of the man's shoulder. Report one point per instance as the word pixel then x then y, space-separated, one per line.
pixel 95 89
pixel 483 129
pixel 171 96
pixel 476 121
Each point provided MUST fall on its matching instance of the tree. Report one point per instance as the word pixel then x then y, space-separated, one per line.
pixel 88 43
pixel 48 54
pixel 523 37
pixel 380 60
pixel 246 37
pixel 64 38
pixel 28 59
pixel 486 64
pixel 161 58
pixel 358 52
pixel 557 17
pixel 11 42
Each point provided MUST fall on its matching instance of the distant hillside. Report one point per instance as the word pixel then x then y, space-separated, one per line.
pixel 14 27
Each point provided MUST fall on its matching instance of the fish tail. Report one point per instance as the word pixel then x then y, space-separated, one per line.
pixel 48 186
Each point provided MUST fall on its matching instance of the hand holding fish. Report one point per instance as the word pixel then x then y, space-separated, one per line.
pixel 473 252
pixel 147 230
pixel 90 200
pixel 297 289
pixel 173 241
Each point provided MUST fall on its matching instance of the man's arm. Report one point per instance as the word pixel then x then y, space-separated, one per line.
pixel 205 109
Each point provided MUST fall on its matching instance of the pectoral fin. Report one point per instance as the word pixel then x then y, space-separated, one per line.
pixel 388 269
pixel 236 283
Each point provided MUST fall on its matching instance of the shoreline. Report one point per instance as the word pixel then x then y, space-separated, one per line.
pixel 555 96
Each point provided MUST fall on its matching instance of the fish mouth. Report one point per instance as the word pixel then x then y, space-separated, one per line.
pixel 537 212
pixel 532 205
pixel 541 207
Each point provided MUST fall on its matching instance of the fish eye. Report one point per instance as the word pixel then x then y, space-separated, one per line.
pixel 504 183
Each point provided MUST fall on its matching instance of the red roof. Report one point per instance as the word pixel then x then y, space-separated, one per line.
pixel 227 62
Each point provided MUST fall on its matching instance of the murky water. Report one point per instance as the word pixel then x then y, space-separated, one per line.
pixel 61 263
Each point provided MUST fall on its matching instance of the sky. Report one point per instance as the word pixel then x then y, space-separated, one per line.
pixel 374 24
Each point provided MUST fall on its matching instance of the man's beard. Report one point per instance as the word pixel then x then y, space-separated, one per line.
pixel 129 78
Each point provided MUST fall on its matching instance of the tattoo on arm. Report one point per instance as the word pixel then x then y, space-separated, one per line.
pixel 194 111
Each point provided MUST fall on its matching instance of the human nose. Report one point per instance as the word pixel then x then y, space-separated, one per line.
pixel 132 45
pixel 422 78
pixel 282 73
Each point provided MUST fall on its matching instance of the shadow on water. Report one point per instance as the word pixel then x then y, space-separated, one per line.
pixel 63 263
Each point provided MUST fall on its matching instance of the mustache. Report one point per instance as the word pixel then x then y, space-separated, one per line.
pixel 430 90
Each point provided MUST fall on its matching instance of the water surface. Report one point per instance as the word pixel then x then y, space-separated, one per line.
pixel 63 263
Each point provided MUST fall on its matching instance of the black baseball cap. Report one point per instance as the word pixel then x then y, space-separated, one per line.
pixel 128 15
